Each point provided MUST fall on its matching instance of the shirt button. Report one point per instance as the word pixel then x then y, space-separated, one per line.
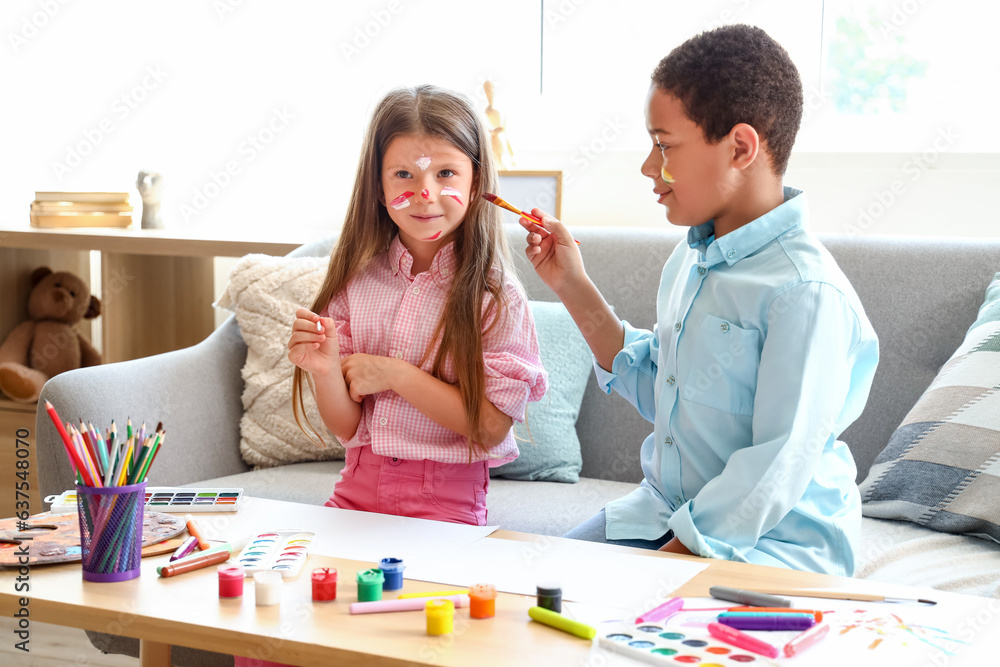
pixel 677 499
pixel 668 441
pixel 731 254
pixel 724 327
pixel 383 421
pixel 444 271
pixel 398 355
pixel 671 380
pixel 416 290
pixel 677 327
pixel 701 270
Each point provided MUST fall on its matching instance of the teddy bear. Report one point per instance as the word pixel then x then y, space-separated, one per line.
pixel 47 343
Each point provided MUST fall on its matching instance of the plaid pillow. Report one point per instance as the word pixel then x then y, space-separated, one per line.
pixel 941 468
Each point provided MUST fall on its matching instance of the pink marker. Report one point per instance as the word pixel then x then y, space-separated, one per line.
pixel 742 640
pixel 425 193
pixel 664 611
pixel 402 201
pixel 451 192
pixel 803 641
pixel 406 604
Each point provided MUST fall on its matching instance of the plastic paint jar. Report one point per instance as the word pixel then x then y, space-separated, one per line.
pixel 550 596
pixel 231 581
pixel 324 583
pixel 267 587
pixel 440 617
pixel 392 569
pixel 370 585
pixel 482 600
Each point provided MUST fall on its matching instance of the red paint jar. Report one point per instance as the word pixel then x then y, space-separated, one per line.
pixel 324 583
pixel 231 581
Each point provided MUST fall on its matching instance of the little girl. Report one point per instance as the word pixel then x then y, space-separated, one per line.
pixel 423 352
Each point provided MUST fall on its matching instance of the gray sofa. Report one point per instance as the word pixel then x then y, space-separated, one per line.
pixel 920 294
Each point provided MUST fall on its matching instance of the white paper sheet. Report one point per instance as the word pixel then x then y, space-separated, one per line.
pixel 364 536
pixel 623 583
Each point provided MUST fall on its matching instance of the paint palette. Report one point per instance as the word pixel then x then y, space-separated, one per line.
pixel 283 551
pixel 654 643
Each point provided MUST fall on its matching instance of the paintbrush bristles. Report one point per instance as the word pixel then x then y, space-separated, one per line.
pixel 502 203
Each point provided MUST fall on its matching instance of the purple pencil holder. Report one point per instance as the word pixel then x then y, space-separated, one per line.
pixel 111 531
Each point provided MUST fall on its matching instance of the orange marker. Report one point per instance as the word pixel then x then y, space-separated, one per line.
pixel 196 532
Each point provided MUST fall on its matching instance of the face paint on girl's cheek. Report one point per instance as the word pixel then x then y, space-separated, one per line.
pixel 425 193
pixel 402 201
pixel 423 162
pixel 451 192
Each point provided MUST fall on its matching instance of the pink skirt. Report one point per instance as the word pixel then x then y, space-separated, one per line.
pixel 454 492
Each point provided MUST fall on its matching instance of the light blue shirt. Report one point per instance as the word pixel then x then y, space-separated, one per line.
pixel 760 358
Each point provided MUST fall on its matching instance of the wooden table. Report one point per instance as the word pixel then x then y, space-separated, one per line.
pixel 185 610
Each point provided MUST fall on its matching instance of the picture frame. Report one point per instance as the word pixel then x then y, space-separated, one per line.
pixel 528 189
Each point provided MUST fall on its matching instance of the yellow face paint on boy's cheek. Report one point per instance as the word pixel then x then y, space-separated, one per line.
pixel 664 174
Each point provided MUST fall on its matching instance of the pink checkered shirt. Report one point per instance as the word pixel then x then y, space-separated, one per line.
pixel 387 312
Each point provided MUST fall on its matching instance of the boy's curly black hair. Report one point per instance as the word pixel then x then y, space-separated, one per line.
pixel 737 74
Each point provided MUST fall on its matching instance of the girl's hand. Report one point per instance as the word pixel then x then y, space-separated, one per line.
pixel 313 345
pixel 552 252
pixel 367 374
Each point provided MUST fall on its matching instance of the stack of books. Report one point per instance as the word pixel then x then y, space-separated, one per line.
pixel 81 209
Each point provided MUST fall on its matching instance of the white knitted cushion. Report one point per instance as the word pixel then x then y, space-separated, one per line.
pixel 264 292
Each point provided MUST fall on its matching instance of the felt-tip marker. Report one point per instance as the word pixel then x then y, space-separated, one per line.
pixel 748 597
pixel 560 622
pixel 803 641
pixel 184 549
pixel 195 562
pixel 742 640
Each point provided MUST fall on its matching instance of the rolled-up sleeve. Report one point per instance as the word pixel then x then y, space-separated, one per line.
pixel 514 371
pixel 633 370
pixel 339 311
pixel 814 360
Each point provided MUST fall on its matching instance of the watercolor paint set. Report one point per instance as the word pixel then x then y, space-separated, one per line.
pixel 282 551
pixel 179 499
pixel 167 499
pixel 654 643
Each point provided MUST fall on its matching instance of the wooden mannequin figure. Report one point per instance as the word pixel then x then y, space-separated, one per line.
pixel 502 151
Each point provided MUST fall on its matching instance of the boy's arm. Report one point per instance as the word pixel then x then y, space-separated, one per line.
pixel 815 370
pixel 557 260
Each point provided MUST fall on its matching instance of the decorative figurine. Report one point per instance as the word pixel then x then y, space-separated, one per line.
pixel 150 186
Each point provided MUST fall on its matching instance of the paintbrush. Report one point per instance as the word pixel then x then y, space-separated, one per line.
pixel 836 594
pixel 503 203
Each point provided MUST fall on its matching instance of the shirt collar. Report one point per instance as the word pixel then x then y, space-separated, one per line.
pixel 752 236
pixel 442 268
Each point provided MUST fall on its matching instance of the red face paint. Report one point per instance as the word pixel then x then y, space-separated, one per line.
pixel 425 193
pixel 451 192
pixel 402 201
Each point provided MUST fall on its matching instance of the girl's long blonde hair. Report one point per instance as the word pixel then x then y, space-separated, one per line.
pixel 481 249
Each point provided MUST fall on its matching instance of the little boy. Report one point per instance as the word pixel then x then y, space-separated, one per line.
pixel 762 353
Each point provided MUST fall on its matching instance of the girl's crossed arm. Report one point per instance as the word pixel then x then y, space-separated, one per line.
pixel 442 402
pixel 314 348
